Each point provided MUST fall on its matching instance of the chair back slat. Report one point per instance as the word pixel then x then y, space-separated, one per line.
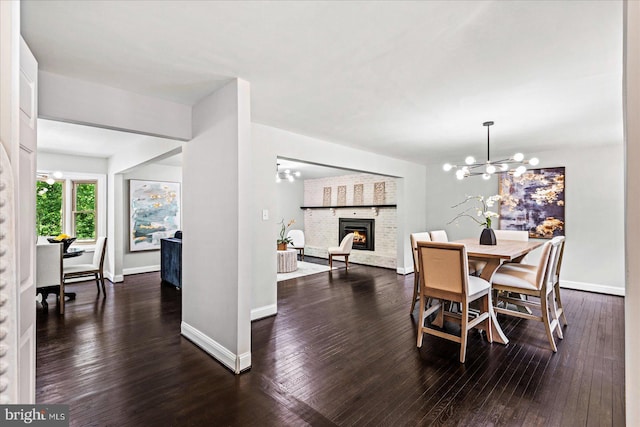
pixel 543 264
pixel 443 266
pixel 415 238
pixel 98 254
pixel 439 236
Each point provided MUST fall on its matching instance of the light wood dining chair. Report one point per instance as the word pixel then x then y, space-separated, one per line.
pixel 95 269
pixel 517 235
pixel 530 281
pixel 475 265
pixel 556 278
pixel 415 238
pixel 444 276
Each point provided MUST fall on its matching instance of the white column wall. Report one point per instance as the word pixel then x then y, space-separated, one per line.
pixel 632 139
pixel 218 234
pixel 268 144
pixel 594 213
pixel 77 101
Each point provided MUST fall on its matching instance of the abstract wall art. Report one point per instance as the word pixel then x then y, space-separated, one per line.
pixel 154 209
pixel 534 202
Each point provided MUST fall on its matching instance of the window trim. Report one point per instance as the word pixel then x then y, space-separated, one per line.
pixel 73 212
pixel 101 201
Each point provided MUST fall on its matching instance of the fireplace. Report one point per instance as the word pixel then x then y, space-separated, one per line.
pixel 362 229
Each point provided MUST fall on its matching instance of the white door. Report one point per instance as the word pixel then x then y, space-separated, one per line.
pixel 26 217
pixel 18 116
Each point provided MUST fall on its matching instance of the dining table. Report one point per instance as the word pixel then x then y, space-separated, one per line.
pixel 495 256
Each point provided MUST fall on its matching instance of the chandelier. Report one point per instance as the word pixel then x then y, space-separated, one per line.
pixel 49 178
pixel 287 174
pixel 488 168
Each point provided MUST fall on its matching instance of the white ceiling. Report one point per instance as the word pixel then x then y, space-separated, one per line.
pixel 74 139
pixel 412 80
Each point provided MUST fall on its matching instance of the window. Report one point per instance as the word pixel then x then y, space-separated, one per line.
pixel 84 224
pixel 49 208
pixel 69 206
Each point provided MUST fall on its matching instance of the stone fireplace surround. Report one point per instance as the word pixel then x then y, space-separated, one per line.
pixel 321 224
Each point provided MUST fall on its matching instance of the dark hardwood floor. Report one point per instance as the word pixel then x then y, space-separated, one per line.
pixel 341 351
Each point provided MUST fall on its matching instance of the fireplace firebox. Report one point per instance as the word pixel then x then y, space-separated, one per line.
pixel 363 232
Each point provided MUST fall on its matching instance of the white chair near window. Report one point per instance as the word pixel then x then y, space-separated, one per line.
pixel 95 269
pixel 297 241
pixel 344 250
pixel 49 273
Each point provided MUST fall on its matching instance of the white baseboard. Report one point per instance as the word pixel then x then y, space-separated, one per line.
pixel 117 278
pixel 138 270
pixel 264 311
pixel 592 287
pixel 236 363
pixel 404 271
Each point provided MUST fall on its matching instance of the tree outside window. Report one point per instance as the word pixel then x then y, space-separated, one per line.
pixel 49 208
pixel 84 210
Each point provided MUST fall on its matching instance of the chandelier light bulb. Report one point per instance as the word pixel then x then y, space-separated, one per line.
pixel 297 173
pixel 486 169
pixel 290 178
pixel 50 181
pixel 278 178
pixel 57 174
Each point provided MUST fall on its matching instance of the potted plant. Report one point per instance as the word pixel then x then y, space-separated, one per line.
pixel 283 241
pixel 487 237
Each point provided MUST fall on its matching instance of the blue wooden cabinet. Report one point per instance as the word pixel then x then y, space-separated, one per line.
pixel 171 261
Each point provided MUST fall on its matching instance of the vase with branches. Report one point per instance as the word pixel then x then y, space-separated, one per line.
pixel 481 214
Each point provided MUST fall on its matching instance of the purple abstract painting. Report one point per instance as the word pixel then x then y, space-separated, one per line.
pixel 534 202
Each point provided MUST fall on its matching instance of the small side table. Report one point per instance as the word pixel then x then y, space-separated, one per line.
pixel 287 261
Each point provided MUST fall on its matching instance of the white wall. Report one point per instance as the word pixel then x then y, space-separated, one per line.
pixel 289 197
pixel 218 231
pixel 632 134
pixel 143 261
pixel 268 144
pixel 65 162
pixel 594 213
pixel 77 101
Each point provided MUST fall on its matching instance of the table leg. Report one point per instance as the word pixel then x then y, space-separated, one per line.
pixel 487 274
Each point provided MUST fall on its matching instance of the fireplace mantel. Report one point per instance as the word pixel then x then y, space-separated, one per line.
pixel 348 206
